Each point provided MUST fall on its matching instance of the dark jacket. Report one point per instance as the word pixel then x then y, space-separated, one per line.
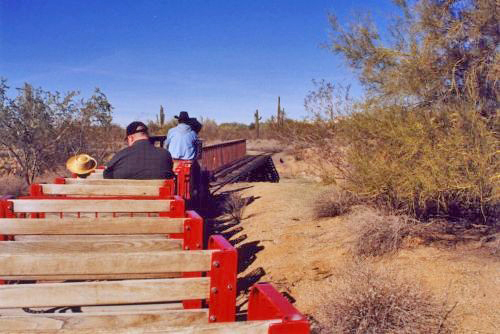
pixel 141 161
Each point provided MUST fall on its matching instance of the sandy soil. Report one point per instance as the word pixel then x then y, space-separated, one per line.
pixel 280 242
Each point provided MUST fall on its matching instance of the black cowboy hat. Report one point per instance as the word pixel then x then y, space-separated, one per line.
pixel 195 125
pixel 183 116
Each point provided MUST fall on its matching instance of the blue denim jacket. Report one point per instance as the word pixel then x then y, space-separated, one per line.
pixel 181 142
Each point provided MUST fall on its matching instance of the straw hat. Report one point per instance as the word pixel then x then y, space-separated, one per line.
pixel 81 164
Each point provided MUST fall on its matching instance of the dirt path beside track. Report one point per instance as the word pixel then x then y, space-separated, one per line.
pixel 280 242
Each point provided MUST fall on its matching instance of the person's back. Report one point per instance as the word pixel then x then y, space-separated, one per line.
pixel 181 140
pixel 141 160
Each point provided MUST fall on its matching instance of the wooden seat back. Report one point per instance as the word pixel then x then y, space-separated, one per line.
pixel 105 206
pixel 180 186
pixel 132 188
pixel 52 261
pixel 268 312
pixel 149 274
pixel 112 181
pixel 98 218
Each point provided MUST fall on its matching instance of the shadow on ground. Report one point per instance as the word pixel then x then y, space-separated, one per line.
pixel 221 220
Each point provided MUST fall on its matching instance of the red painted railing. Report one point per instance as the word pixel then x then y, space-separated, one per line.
pixel 219 155
pixel 215 156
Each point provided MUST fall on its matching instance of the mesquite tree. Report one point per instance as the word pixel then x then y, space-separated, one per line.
pixel 438 52
pixel 40 129
pixel 425 138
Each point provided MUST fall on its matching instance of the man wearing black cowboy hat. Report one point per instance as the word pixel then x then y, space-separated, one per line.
pixel 182 140
pixel 140 160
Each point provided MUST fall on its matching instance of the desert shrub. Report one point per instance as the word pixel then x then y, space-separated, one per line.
pixel 51 175
pixel 41 129
pixel 212 131
pixel 493 245
pixel 378 233
pixel 333 202
pixel 426 162
pixel 161 129
pixel 425 138
pixel 209 131
pixel 234 206
pixel 364 300
pixel 265 145
pixel 12 185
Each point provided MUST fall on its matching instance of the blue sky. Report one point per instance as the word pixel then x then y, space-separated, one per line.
pixel 216 59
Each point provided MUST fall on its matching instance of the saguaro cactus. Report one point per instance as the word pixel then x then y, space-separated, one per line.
pixel 280 118
pixel 257 124
pixel 161 118
pixel 279 112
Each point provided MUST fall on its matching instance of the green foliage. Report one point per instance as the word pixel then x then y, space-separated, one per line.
pixel 156 129
pixel 425 139
pixel 327 102
pixel 42 129
pixel 425 161
pixel 440 52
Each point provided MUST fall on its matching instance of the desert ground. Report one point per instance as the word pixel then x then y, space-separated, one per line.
pixel 280 241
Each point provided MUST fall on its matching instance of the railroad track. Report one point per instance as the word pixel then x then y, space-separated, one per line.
pixel 228 162
pixel 249 168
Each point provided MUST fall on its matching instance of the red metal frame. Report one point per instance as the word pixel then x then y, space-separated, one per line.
pixel 193 240
pixel 266 303
pixel 183 174
pixel 4 206
pixel 2 237
pixel 222 300
pixel 193 231
pixel 2 215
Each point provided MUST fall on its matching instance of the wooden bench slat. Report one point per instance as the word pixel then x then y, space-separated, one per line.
pixel 114 182
pixel 98 309
pixel 58 278
pixel 62 246
pixel 240 327
pixel 103 292
pixel 74 215
pixel 100 190
pixel 110 321
pixel 94 176
pixel 89 205
pixel 84 237
pixel 19 264
pixel 118 225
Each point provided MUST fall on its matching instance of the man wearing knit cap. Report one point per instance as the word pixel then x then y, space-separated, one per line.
pixel 141 159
